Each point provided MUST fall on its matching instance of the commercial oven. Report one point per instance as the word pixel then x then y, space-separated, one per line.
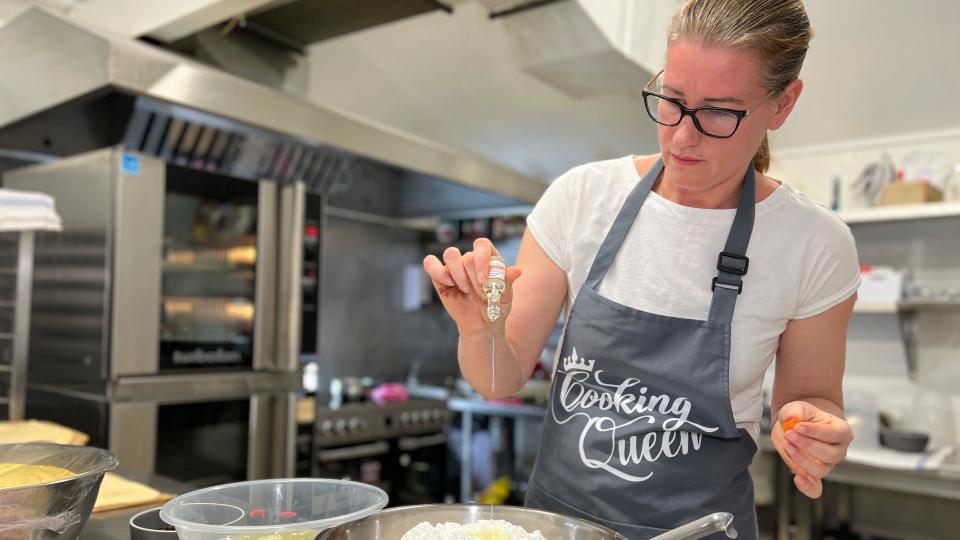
pixel 160 269
pixel 173 296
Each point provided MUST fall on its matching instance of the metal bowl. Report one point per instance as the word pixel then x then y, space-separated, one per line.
pixel 52 510
pixel 392 523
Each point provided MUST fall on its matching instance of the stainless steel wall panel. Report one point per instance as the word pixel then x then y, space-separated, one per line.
pixel 133 435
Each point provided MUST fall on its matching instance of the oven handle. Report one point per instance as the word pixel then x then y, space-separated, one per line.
pixel 408 444
pixel 353 452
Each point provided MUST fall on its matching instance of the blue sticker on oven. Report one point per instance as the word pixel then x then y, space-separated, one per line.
pixel 130 164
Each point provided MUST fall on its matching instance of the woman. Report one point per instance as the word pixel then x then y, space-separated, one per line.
pixel 675 312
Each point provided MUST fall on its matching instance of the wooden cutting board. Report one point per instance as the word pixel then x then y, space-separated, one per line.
pixel 118 492
pixel 12 432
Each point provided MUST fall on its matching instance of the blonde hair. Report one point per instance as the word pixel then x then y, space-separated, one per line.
pixel 777 31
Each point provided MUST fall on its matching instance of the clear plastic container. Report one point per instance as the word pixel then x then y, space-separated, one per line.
pixel 863 416
pixel 287 509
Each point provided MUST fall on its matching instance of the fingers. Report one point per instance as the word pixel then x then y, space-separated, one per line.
pixel 827 453
pixel 834 433
pixel 780 444
pixel 469 260
pixel 454 262
pixel 437 272
pixel 811 487
pixel 797 409
pixel 484 249
pixel 512 274
pixel 468 271
pixel 807 463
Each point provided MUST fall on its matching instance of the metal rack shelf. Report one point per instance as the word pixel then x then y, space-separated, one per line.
pixel 901 212
pixel 904 306
pixel 16 297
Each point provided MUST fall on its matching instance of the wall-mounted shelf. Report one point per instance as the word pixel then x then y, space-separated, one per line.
pixel 901 212
pixel 877 307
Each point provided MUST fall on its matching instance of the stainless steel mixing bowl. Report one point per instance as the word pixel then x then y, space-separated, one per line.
pixel 53 510
pixel 392 523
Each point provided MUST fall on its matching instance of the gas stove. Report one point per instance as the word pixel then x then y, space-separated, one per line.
pixel 366 421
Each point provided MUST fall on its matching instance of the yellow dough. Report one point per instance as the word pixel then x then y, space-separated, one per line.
pixel 19 475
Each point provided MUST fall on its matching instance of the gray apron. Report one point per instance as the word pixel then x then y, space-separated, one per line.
pixel 640 435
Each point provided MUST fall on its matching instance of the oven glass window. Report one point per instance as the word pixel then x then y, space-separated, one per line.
pixel 209 271
pixel 203 443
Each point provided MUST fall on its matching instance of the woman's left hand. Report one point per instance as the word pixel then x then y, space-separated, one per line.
pixel 813 446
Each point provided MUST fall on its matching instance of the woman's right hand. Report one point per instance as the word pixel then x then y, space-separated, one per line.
pixel 459 279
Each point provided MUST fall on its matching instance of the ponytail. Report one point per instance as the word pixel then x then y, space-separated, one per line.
pixel 761 160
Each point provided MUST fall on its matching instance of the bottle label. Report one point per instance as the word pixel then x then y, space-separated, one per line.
pixel 498 270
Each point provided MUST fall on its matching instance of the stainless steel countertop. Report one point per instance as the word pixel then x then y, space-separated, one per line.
pixel 944 483
pixel 481 406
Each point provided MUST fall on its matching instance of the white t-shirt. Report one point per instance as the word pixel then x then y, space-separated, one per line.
pixel 803 261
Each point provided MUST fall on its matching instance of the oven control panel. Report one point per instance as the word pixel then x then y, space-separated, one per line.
pixel 359 422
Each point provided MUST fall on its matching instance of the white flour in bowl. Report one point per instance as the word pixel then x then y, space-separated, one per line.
pixel 485 529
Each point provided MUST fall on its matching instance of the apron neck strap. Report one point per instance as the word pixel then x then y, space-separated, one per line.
pixel 621 226
pixel 731 265
pixel 733 262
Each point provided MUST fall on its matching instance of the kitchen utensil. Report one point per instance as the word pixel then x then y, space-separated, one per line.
pixel 287 509
pixel 863 415
pixel 52 510
pixel 392 523
pixel 147 525
pixel 904 441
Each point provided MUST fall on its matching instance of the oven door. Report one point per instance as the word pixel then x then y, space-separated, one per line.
pixel 218 271
pixel 366 462
pixel 195 262
pixel 420 474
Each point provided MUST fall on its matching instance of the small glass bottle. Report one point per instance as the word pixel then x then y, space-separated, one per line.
pixel 494 286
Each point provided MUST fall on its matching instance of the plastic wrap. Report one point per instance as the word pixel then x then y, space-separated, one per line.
pixel 55 509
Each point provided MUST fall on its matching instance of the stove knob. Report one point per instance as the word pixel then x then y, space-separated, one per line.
pixel 404 419
pixel 353 425
pixel 326 427
pixel 415 417
pixel 437 415
pixel 340 427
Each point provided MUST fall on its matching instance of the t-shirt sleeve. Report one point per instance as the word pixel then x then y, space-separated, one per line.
pixel 549 222
pixel 831 269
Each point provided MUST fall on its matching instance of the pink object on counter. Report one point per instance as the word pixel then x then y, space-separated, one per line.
pixel 389 393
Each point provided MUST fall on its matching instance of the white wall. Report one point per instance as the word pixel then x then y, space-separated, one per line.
pixel 877 68
pixel 453 79
pixel 11 8
pixel 450 78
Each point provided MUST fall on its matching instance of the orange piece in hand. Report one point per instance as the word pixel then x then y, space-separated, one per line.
pixel 790 423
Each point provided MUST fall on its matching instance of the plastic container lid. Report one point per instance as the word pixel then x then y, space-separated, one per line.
pixel 287 509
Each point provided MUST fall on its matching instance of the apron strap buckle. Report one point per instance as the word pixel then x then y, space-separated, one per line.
pixel 733 263
pixel 735 286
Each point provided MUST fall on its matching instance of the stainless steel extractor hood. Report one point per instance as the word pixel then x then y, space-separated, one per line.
pixel 68 89
pixel 298 23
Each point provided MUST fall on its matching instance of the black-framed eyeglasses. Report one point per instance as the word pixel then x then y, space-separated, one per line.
pixel 716 122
